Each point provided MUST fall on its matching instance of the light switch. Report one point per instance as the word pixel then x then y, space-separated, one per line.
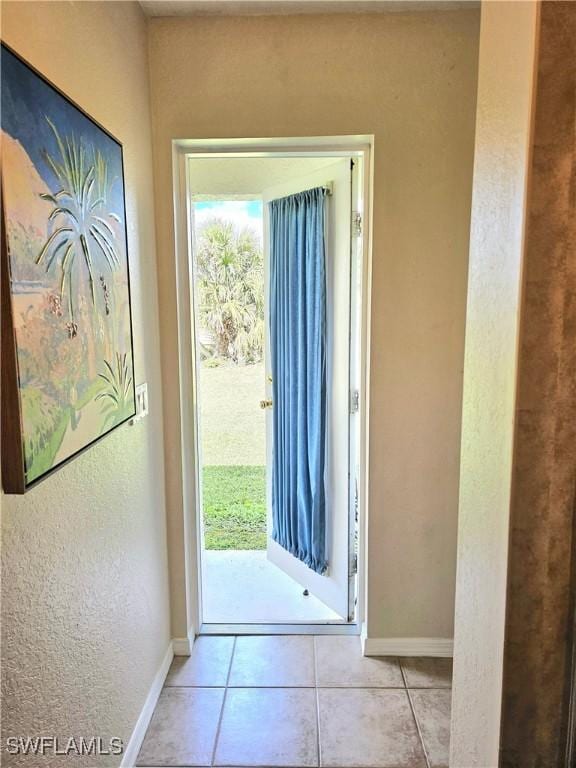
pixel 141 402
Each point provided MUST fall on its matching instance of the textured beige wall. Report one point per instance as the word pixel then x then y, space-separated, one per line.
pixel 85 604
pixel 503 139
pixel 409 79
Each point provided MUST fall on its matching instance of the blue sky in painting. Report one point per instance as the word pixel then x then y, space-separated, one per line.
pixel 27 101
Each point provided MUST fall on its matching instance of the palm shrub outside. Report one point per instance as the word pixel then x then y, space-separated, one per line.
pixel 229 274
pixel 230 282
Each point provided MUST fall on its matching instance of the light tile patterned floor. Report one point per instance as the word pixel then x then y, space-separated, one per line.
pixel 299 702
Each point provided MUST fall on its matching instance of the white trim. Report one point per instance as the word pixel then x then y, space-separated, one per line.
pixel 182 646
pixel 442 647
pixel 187 385
pixel 353 145
pixel 267 147
pixel 336 628
pixel 137 737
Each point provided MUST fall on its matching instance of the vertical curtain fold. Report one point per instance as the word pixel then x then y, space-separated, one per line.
pixel 298 357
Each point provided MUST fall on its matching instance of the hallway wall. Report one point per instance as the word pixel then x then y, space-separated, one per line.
pixel 85 603
pixel 508 43
pixel 409 79
pixel 541 557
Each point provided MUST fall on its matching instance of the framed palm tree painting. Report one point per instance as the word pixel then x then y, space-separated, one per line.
pixel 67 351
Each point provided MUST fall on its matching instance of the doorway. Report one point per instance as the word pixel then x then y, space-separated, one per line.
pixel 247 580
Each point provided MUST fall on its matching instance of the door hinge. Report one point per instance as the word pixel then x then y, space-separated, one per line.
pixel 354 401
pixel 353 565
pixel 356 223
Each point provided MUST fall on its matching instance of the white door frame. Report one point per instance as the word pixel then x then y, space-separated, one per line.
pixel 359 146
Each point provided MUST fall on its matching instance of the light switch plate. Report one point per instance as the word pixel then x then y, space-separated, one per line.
pixel 141 402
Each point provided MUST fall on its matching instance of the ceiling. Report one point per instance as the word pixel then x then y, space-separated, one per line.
pixel 248 176
pixel 284 7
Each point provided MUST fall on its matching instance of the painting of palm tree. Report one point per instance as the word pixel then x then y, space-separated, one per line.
pixel 66 246
pixel 83 225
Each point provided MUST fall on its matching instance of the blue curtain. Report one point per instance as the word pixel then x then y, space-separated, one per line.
pixel 298 352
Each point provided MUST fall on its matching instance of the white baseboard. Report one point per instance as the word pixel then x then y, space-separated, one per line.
pixel 408 646
pixel 133 747
pixel 182 646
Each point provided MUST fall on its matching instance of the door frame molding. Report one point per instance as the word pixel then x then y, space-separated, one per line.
pixel 359 146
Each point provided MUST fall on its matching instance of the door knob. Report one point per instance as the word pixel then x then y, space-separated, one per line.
pixel 265 404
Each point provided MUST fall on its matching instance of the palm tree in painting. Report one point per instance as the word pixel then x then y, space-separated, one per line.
pixel 83 231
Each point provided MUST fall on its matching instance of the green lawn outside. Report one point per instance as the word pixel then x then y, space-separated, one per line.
pixel 232 424
pixel 233 436
pixel 234 507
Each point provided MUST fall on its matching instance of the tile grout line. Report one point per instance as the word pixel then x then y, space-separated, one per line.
pixel 416 723
pixel 320 687
pixel 218 727
pixel 318 742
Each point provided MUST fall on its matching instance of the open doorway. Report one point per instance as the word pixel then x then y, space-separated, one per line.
pixel 240 583
pixel 248 575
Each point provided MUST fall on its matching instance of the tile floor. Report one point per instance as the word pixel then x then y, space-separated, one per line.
pixel 299 701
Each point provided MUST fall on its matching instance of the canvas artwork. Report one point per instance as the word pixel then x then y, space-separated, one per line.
pixel 67 263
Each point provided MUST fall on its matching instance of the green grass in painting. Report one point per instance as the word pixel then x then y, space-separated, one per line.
pixel 42 450
pixel 43 459
pixel 234 507
pixel 116 396
pixel 89 394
